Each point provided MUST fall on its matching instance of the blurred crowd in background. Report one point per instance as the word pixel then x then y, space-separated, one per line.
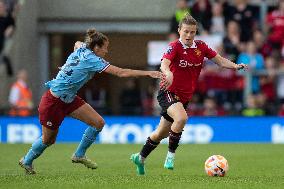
pixel 248 36
pixel 8 13
pixel 20 94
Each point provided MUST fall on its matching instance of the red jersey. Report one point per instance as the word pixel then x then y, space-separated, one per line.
pixel 186 64
pixel 276 20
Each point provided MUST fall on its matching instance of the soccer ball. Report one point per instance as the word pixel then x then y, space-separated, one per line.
pixel 216 165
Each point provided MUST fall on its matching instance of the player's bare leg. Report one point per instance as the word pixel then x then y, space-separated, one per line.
pixel 179 115
pixel 152 142
pixel 88 115
pixel 48 138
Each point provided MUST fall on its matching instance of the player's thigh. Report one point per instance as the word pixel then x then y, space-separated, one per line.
pixel 88 115
pixel 177 112
pixel 49 135
pixel 162 131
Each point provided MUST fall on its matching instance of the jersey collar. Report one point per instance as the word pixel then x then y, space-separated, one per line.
pixel 184 46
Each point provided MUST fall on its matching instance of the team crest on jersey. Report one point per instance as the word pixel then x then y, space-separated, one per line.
pixel 169 49
pixel 197 52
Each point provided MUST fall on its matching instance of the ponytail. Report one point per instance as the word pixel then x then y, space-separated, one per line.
pixel 94 38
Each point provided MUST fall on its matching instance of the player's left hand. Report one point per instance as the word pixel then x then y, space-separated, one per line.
pixel 241 66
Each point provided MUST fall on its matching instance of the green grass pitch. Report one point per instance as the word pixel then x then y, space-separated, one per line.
pixel 251 166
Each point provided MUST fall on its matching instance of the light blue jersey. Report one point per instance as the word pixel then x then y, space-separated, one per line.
pixel 80 67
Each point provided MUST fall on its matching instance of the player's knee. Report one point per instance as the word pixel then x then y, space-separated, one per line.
pixel 101 123
pixel 98 123
pixel 181 120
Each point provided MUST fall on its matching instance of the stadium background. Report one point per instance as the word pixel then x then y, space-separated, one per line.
pixel 46 31
pixel 138 31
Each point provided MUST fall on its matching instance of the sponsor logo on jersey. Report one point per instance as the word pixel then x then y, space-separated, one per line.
pixel 184 64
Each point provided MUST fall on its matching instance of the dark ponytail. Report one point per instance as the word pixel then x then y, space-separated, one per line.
pixel 94 38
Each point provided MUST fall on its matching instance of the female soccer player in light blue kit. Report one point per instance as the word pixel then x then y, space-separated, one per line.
pixel 61 99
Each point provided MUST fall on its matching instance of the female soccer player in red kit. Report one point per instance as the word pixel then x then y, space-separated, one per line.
pixel 181 65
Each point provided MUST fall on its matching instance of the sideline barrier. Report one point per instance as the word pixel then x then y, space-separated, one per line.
pixel 136 130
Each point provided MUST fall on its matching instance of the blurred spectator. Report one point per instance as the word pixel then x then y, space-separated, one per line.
pixel 201 11
pixel 210 108
pixel 255 62
pixel 148 100
pixel 20 97
pixel 7 25
pixel 217 21
pixel 181 10
pixel 263 47
pixel 282 52
pixel 10 4
pixel 245 15
pixel 194 106
pixel 267 81
pixel 280 83
pixel 231 41
pixel 130 99
pixel 281 110
pixel 223 84
pixel 156 106
pixel 275 23
pixel 96 97
pixel 171 37
pixel 252 107
pixel 261 101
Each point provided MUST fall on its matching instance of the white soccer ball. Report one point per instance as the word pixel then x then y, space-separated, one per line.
pixel 216 165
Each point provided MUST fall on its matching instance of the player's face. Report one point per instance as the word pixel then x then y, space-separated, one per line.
pixel 187 33
pixel 101 51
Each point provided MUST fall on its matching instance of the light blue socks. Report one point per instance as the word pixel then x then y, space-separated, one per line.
pixel 36 150
pixel 87 140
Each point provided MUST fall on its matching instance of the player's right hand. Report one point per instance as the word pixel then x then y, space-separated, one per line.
pixel 166 81
pixel 241 66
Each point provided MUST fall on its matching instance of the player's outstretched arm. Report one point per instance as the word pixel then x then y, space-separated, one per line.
pixel 225 63
pixel 121 72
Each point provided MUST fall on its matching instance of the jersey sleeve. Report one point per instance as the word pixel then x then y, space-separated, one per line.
pixel 97 64
pixel 170 53
pixel 208 52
